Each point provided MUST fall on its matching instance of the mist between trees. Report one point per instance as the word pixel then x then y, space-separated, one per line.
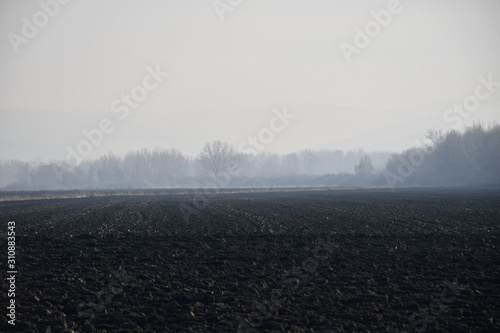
pixel 471 157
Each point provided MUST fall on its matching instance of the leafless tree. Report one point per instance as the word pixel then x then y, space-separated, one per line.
pixel 216 158
pixel 436 136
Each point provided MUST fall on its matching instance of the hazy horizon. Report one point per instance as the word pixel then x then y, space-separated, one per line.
pixel 226 78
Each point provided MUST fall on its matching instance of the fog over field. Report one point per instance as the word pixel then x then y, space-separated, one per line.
pixel 91 90
pixel 250 166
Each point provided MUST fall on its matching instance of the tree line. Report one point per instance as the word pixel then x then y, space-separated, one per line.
pixel 160 168
pixel 470 157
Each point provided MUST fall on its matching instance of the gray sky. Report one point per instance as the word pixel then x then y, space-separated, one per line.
pixel 227 76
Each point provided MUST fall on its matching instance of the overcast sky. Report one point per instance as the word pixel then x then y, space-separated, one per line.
pixel 225 77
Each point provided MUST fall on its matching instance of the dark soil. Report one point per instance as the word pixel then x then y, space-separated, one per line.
pixel 312 261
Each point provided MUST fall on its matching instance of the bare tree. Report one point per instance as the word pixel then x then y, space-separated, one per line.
pixel 216 158
pixel 365 166
pixel 436 136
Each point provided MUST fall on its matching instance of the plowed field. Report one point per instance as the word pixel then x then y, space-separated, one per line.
pixel 283 261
